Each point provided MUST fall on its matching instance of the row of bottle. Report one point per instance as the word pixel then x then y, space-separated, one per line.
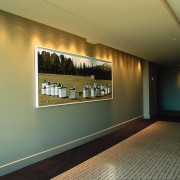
pixel 57 89
pixel 97 91
pixel 101 87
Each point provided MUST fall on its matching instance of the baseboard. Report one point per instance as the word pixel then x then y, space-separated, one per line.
pixel 18 164
pixel 147 116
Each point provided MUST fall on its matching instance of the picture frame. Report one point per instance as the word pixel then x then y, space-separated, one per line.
pixel 64 78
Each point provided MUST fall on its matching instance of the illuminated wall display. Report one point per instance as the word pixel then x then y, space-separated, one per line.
pixel 66 78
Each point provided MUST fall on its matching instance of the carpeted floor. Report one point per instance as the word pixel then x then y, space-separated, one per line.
pixel 51 167
pixel 153 153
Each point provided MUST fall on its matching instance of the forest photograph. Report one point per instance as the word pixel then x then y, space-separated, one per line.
pixel 66 78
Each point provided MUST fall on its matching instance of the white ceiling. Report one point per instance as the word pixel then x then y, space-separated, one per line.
pixel 145 28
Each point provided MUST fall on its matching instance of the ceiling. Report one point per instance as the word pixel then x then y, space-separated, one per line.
pixel 145 28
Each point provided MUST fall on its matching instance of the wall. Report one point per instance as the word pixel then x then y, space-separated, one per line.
pixel 169 88
pixel 149 89
pixel 146 101
pixel 27 134
pixel 153 89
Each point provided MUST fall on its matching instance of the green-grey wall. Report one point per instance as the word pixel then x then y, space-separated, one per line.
pixel 149 89
pixel 146 101
pixel 28 134
pixel 169 88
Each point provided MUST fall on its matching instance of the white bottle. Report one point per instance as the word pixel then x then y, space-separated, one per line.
pixel 43 90
pixel 85 92
pixel 93 92
pixel 97 91
pixel 52 89
pixel 62 92
pixel 43 87
pixel 103 92
pixel 48 88
pixel 72 93
pixel 109 89
pixel 57 85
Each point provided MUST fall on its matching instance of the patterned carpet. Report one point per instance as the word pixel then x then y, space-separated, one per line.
pixel 153 153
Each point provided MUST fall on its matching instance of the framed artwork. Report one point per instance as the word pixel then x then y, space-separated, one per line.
pixel 66 78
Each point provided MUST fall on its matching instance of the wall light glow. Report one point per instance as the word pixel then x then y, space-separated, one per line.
pixel 139 67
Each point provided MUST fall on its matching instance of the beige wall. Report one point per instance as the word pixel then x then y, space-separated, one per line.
pixel 35 134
